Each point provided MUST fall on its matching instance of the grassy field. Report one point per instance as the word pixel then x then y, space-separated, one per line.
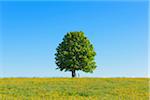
pixel 74 89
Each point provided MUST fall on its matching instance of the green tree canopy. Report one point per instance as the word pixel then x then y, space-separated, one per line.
pixel 75 53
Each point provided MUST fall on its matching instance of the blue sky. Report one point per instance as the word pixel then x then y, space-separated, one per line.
pixel 31 31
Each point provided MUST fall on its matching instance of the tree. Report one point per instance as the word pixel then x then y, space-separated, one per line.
pixel 75 53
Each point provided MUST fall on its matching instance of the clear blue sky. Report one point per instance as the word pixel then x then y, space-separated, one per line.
pixel 31 31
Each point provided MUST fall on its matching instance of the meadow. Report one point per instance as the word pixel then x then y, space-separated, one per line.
pixel 74 89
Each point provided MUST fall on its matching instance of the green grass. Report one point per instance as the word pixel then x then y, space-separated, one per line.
pixel 74 89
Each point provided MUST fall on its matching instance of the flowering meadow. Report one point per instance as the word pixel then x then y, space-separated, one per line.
pixel 74 89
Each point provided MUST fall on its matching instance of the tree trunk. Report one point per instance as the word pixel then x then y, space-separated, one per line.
pixel 73 73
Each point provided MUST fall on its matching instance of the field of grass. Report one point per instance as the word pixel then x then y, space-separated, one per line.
pixel 74 89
